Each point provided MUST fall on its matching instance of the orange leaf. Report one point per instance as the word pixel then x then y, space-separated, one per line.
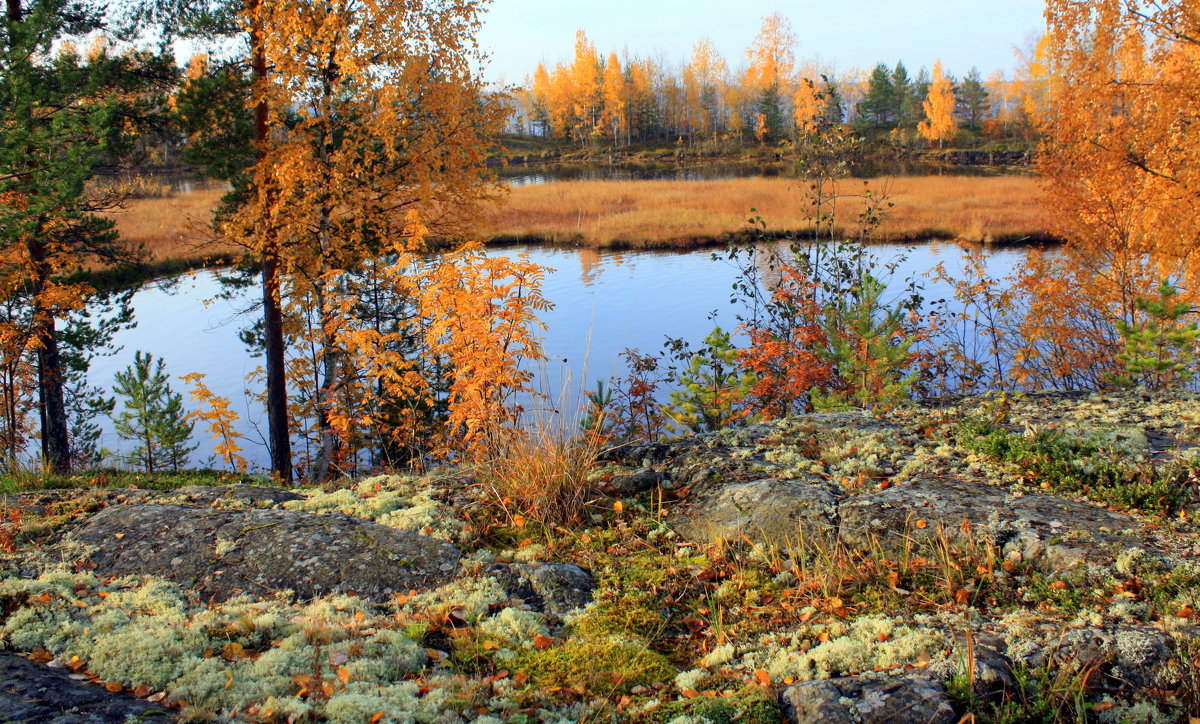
pixel 762 677
pixel 113 686
pixel 541 643
pixel 922 525
pixel 343 674
pixel 375 718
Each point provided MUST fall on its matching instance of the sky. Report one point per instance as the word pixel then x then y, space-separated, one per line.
pixel 518 34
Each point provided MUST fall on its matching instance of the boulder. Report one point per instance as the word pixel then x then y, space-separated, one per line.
pixel 221 553
pixel 771 512
pixel 33 693
pixel 636 482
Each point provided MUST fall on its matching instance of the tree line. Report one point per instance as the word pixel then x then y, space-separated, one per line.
pixel 771 97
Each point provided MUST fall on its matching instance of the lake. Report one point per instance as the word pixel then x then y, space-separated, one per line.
pixel 605 302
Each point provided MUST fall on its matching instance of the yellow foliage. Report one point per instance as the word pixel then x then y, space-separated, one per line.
pixel 219 420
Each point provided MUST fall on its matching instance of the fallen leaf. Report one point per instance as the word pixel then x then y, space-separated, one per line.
pixel 518 521
pixel 690 693
pixel 113 686
pixel 618 507
pixel 375 718
pixel 142 691
pixel 762 677
pixel 343 675
pixel 233 651
pixel 541 643
pixel 961 596
pixel 922 525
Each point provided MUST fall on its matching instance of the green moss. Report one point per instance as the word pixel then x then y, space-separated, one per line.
pixel 1079 466
pixel 602 664
pixel 750 705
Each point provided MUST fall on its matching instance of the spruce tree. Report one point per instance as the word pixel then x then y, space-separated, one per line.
pixel 878 107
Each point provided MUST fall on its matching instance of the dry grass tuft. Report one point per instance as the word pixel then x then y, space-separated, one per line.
pixel 539 474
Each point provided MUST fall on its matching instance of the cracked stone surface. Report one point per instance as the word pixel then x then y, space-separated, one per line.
pixel 220 553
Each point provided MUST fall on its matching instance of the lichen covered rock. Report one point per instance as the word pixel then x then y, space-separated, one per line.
pixel 220 553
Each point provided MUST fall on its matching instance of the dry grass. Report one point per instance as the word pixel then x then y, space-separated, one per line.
pixel 664 213
pixel 683 213
pixel 173 228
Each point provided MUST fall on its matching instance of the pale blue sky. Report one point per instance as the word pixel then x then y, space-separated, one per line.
pixel 855 33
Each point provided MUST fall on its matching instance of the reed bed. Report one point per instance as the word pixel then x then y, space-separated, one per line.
pixel 667 213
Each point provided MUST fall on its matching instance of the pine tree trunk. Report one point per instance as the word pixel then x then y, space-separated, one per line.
pixel 277 412
pixel 53 410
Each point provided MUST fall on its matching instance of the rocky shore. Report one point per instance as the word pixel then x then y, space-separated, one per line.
pixel 1012 558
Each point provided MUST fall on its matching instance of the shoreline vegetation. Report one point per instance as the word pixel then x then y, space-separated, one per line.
pixel 651 214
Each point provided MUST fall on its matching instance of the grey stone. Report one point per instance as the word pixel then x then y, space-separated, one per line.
pixel 901 700
pixel 555 589
pixel 32 693
pixel 637 482
pixel 264 551
pixel 772 512
pixel 815 702
pixel 1055 533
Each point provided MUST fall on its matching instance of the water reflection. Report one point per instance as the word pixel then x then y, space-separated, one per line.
pixel 604 301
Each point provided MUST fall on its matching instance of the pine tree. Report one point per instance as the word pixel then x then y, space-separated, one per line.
pixel 907 105
pixel 1160 351
pixel 152 416
pixel 62 113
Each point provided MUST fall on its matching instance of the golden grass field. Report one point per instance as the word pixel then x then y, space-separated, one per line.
pixel 664 213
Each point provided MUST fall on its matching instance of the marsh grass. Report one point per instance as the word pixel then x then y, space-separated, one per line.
pixel 175 227
pixel 681 214
pixel 655 214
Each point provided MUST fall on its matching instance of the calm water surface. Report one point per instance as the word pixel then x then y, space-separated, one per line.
pixel 604 302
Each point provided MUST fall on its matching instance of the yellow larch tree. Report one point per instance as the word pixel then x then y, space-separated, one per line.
pixel 806 107
pixel 706 76
pixel 616 93
pixel 939 124
pixel 1121 157
pixel 586 95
